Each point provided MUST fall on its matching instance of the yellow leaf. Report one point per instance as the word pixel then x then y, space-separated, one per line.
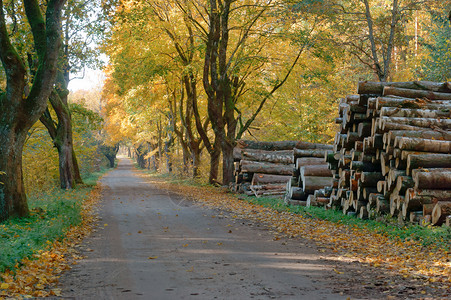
pixel 338 272
pixel 4 286
pixel 152 257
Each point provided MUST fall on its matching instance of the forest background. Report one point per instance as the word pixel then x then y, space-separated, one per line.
pixel 185 79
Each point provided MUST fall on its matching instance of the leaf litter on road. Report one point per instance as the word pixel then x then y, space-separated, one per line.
pixel 408 258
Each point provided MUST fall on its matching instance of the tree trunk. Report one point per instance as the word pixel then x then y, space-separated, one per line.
pixel 214 165
pixel 18 112
pixel 13 202
pixel 227 163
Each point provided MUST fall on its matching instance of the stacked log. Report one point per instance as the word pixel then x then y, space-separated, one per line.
pixel 265 168
pixel 311 175
pixel 392 153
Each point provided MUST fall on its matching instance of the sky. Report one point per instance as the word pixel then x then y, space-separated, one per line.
pixel 91 79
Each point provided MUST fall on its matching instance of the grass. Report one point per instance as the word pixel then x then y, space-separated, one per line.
pixel 436 237
pixel 52 214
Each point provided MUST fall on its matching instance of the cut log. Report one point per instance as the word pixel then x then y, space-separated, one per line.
pixel 403 183
pixel 428 196
pixel 364 166
pixel 428 208
pixel 269 146
pixel 414 113
pixel 260 178
pixel 310 152
pixel 370 179
pixel 387 126
pixel 307 161
pixel 444 124
pixel 412 103
pixel 377 88
pixel 278 157
pixel 425 145
pixel 307 145
pixel 266 168
pixel 297 193
pixel 269 186
pixel 440 212
pixel 434 180
pixel 363 213
pixel 429 170
pixel 316 170
pixel 425 134
pixel 312 183
pixel 416 161
pixel 410 93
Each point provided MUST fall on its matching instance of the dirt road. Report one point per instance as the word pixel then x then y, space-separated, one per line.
pixel 154 245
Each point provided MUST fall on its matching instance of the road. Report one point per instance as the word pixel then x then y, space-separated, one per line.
pixel 150 244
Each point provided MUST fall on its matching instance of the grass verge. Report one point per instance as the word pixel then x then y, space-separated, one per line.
pixel 436 237
pixel 52 214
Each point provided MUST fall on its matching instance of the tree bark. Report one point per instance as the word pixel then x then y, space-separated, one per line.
pixel 440 212
pixel 316 170
pixel 413 113
pixel 377 88
pixel 18 112
pixel 312 183
pixel 424 134
pixel 411 93
pixel 444 124
pixel 424 145
pixel 412 103
pixel 280 157
pixel 416 161
pixel 261 178
pixel 434 180
pixel 266 168
pixel 307 161
pixel 310 152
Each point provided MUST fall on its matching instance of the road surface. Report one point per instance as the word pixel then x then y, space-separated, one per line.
pixel 150 244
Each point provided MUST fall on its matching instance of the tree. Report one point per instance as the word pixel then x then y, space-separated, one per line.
pixel 369 30
pixel 75 54
pixel 436 66
pixel 20 110
pixel 230 60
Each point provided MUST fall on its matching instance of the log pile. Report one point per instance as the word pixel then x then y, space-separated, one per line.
pixel 267 168
pixel 392 153
pixel 311 175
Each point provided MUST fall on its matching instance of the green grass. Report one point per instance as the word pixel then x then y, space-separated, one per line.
pixel 436 237
pixel 52 213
